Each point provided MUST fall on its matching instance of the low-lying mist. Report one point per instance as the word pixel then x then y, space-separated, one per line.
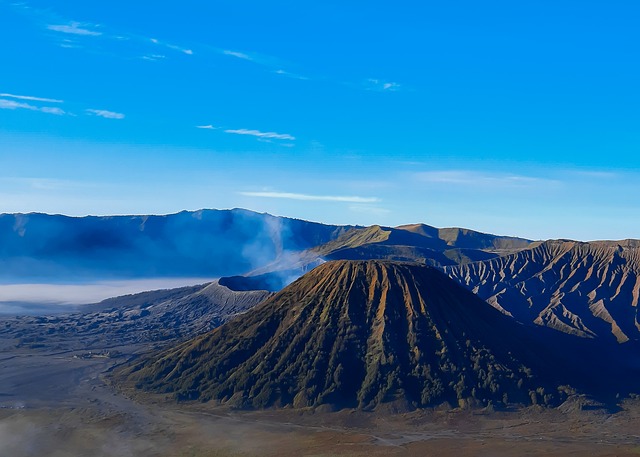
pixel 43 298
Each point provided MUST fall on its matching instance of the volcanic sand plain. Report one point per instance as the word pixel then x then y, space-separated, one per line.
pixel 62 403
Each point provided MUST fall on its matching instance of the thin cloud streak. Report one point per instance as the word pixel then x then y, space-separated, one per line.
pixel 188 52
pixel 106 114
pixel 259 134
pixel 469 178
pixel 275 65
pixel 13 105
pixel 291 75
pixel 16 105
pixel 206 127
pixel 172 46
pixel 78 30
pixel 239 55
pixel 75 28
pixel 381 85
pixel 52 110
pixel 154 57
pixel 307 197
pixel 62 25
pixel 31 98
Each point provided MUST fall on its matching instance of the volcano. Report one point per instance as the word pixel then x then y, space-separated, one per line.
pixel 359 334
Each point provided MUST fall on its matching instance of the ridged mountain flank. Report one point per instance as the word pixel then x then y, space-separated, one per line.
pixel 358 334
pixel 589 290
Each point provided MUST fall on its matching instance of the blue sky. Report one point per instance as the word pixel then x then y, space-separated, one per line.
pixel 517 118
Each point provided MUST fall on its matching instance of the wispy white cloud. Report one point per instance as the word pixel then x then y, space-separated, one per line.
pixel 30 98
pixel 79 30
pixel 20 102
pixel 259 134
pixel 172 46
pixel 52 110
pixel 307 197
pixel 290 75
pixel 12 104
pixel 271 63
pixel 142 47
pixel 381 85
pixel 481 179
pixel 69 44
pixel 286 145
pixel 239 55
pixel 206 127
pixel 154 57
pixel 75 28
pixel 390 86
pixel 106 114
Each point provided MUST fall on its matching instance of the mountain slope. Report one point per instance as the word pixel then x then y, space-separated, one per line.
pixel 205 243
pixel 586 289
pixel 360 334
pixel 156 317
pixel 461 238
pixel 410 243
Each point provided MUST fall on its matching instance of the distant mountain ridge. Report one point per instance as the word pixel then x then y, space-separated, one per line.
pixel 462 238
pixel 214 243
pixel 414 243
pixel 205 243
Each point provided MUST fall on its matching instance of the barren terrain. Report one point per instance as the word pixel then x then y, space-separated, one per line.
pixel 61 403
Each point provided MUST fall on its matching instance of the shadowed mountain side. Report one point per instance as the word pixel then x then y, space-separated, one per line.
pixel 366 334
pixel 148 317
pixel 589 290
pixel 205 243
